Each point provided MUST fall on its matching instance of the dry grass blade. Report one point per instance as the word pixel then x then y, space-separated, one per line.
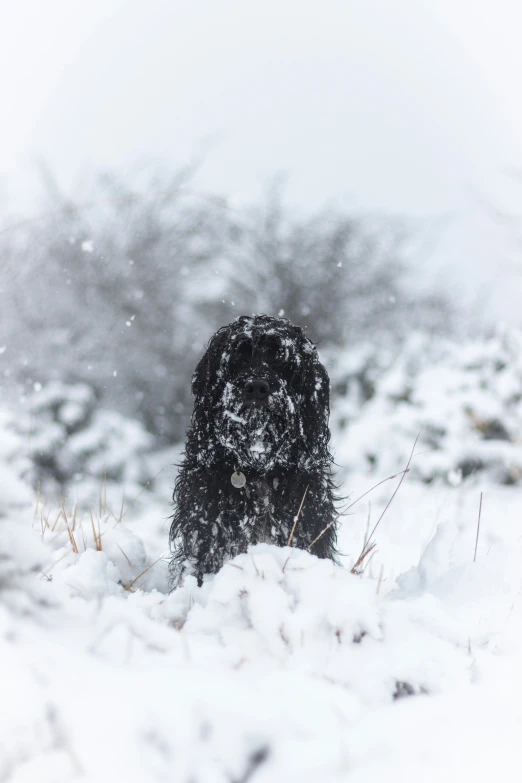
pixel 255 565
pixel 80 592
pixel 369 546
pixel 388 478
pixel 478 528
pixel 56 521
pixel 296 518
pixel 139 495
pixel 96 535
pixel 37 506
pixel 124 555
pixel 72 540
pixel 44 520
pixel 347 508
pixel 122 507
pixel 362 557
pixel 380 580
pixel 128 587
pixel 103 494
pixel 110 513
pixel 48 570
pixel 105 490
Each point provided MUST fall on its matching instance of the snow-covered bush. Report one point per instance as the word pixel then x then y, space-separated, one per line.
pixel 354 375
pixel 125 290
pixel 15 494
pixel 464 401
pixel 69 439
pixel 20 552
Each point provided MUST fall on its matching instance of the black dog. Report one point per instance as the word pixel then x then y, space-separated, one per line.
pixel 257 450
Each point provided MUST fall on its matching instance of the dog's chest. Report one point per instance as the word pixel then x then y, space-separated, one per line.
pixel 257 505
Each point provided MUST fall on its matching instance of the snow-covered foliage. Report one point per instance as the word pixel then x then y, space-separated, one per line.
pixel 280 667
pixel 283 667
pixel 75 445
pixel 14 467
pixel 20 553
pixel 464 401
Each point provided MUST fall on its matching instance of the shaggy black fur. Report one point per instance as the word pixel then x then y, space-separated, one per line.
pixel 261 407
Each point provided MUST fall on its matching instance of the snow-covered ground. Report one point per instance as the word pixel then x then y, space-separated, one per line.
pixel 282 667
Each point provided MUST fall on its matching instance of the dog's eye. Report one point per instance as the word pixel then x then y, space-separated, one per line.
pixel 243 352
pixel 273 352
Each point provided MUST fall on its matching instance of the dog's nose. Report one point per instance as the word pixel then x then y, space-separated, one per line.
pixel 256 389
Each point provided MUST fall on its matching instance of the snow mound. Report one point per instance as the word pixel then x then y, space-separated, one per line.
pixel 287 609
pixel 280 667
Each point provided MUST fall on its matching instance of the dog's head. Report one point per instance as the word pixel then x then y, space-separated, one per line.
pixel 261 397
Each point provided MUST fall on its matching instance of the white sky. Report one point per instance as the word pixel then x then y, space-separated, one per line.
pixel 411 106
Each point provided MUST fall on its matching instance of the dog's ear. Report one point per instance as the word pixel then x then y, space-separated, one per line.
pixel 205 374
pixel 316 401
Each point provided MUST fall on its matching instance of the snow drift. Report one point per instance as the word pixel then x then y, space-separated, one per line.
pixel 283 667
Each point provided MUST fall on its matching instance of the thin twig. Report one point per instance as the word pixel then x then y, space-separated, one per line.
pixel 347 508
pixel 369 546
pixel 129 198
pixel 478 528
pixel 297 517
pixel 389 478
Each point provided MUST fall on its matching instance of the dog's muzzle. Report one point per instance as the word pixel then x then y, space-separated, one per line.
pixel 256 391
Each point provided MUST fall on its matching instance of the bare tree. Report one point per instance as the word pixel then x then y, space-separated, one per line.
pixel 122 290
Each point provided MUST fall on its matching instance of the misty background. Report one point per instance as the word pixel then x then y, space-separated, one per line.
pixel 166 167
